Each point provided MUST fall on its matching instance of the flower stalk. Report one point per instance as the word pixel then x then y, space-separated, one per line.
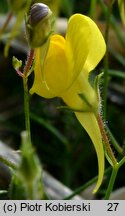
pixel 28 176
pixel 26 93
pixel 106 140
pixel 111 182
pixel 29 63
pixel 26 109
pixel 93 9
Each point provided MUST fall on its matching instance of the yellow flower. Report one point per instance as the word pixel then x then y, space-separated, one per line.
pixel 62 70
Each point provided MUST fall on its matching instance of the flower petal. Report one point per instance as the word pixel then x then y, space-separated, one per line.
pixel 53 74
pixel 57 68
pixel 89 123
pixel 77 43
pixel 85 42
pixel 80 87
pixel 39 86
pixel 97 47
pixel 87 117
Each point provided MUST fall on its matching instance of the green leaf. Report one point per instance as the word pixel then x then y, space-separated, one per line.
pixel 16 63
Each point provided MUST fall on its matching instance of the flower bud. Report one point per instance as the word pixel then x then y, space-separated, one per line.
pixel 17 6
pixel 39 25
pixel 54 5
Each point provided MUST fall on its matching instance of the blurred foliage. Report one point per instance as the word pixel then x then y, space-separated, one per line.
pixel 3 6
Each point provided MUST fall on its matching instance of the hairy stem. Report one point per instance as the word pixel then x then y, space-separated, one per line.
pixel 29 62
pixel 106 140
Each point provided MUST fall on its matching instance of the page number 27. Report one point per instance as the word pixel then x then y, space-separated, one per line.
pixel 112 206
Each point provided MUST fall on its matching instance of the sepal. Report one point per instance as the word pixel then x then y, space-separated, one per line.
pixel 97 82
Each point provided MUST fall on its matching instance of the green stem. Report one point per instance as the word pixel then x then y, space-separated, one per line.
pixel 121 162
pixel 109 20
pixel 113 177
pixel 82 188
pixel 6 161
pixel 117 29
pixel 28 63
pixel 26 109
pixel 92 9
pixel 114 23
pixel 111 182
pixel 106 60
pixel 117 56
pixel 26 95
pixel 114 142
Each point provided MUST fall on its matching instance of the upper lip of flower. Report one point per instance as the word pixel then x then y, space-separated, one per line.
pixel 83 48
